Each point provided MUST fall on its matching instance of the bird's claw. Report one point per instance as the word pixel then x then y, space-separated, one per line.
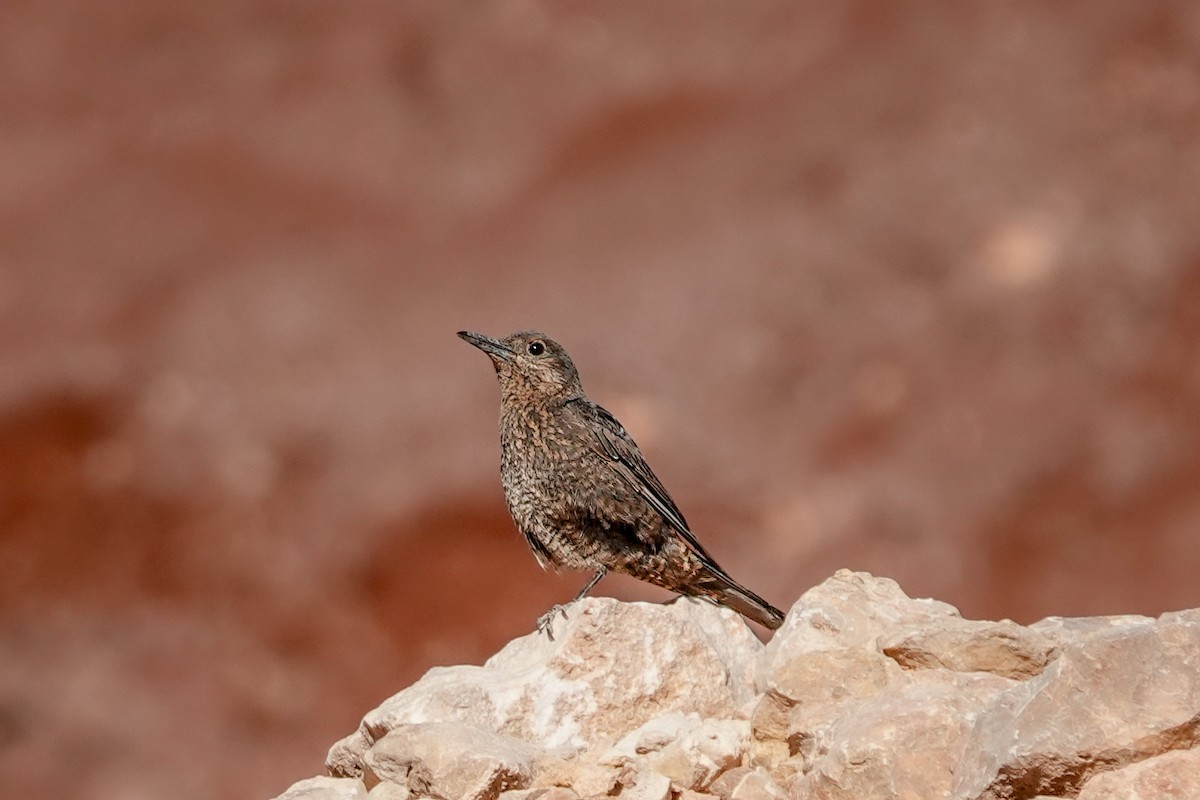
pixel 545 621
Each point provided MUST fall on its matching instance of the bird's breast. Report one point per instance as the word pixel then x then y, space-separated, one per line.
pixel 551 467
pixel 541 458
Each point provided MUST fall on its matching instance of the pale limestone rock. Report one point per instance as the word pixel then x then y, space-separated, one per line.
pixel 389 791
pixel 644 785
pixel 851 610
pixel 651 737
pixel 553 793
pixel 829 652
pixel 1171 776
pixel 582 773
pixel 829 645
pixel 450 759
pixel 1001 648
pixel 818 682
pixel 906 742
pixel 324 788
pixel 815 730
pixel 745 783
pixel 610 667
pixel 688 750
pixel 864 694
pixel 1120 691
pixel 1078 631
pixel 345 757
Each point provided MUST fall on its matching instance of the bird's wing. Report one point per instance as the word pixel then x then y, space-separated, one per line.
pixel 622 454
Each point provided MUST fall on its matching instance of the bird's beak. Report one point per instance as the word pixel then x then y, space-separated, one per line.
pixel 487 344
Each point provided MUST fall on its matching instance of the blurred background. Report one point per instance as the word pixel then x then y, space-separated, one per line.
pixel 912 289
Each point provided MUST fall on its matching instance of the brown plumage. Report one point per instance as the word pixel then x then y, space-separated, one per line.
pixel 579 489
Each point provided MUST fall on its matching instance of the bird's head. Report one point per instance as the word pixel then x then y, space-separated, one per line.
pixel 529 363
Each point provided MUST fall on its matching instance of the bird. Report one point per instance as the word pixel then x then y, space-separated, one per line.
pixel 581 492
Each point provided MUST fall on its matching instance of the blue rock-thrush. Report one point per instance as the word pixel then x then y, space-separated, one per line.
pixel 580 491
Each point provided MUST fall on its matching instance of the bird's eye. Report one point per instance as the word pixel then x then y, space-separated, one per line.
pixel 536 348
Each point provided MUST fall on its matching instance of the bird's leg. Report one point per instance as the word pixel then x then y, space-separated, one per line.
pixel 600 573
pixel 543 623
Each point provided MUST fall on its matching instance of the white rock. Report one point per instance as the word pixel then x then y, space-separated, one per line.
pixel 906 742
pixel 687 749
pixel 1122 690
pixel 645 785
pixel 1171 776
pixel 849 610
pixel 745 783
pixel 553 793
pixel 610 667
pixel 389 791
pixel 450 759
pixel 864 694
pixel 582 774
pixel 1001 648
pixel 843 619
pixel 325 788
pixel 829 652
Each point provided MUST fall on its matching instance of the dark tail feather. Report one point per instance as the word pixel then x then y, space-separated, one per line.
pixel 724 590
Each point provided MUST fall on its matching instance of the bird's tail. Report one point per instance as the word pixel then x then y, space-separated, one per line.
pixel 715 585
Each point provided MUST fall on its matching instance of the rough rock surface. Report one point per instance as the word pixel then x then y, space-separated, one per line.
pixel 324 788
pixel 1174 775
pixel 449 759
pixel 864 693
pixel 609 668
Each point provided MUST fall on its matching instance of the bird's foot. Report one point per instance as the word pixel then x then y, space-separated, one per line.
pixel 546 621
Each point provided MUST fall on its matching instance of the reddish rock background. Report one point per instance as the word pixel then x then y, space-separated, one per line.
pixel 913 290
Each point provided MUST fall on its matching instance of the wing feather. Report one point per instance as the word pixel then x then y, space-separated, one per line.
pixel 622 454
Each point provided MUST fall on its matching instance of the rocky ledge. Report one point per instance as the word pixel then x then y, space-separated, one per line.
pixel 863 694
